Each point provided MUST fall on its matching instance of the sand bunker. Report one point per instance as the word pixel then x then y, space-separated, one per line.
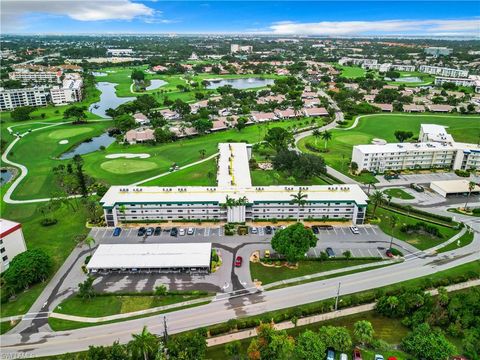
pixel 127 156
pixel 63 142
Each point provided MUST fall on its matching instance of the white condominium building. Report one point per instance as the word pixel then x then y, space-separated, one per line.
pixel 443 71
pixel 119 52
pixel 69 92
pixel 234 199
pixel 36 76
pixel 438 51
pixel 435 149
pixel 235 48
pixel 13 98
pixel 12 242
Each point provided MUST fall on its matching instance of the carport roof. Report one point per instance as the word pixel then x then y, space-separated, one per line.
pixel 151 256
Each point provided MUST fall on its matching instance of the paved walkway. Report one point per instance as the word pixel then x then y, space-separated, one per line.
pixel 245 334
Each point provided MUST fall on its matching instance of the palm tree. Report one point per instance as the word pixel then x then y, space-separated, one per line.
pixel 316 134
pixel 89 241
pixel 202 153
pixel 393 222
pixel 471 187
pixel 326 135
pixel 369 183
pixel 299 199
pixel 377 198
pixel 143 344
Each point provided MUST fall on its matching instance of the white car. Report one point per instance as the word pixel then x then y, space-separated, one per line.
pixel 254 230
pixel 181 232
pixel 190 231
pixel 343 356
pixel 378 357
pixel 355 230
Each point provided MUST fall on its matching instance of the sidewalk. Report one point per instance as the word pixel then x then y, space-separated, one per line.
pixel 245 334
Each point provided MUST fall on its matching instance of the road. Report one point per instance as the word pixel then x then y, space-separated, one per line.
pixel 47 343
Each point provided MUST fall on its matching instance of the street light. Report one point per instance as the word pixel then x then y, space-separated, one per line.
pixel 338 295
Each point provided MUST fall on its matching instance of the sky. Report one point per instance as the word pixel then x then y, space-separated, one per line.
pixel 323 18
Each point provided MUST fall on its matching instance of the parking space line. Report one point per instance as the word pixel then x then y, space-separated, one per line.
pixel 334 230
pixel 370 252
pixel 343 231
pixel 207 231
pixel 366 230
pixel 129 232
pixel 104 233
pixel 379 253
pixel 373 229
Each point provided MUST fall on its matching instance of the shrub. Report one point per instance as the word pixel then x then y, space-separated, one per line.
pixel 421 227
pixel 48 222
pixel 462 173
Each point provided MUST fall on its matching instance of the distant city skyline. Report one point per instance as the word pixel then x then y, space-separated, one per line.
pixel 334 19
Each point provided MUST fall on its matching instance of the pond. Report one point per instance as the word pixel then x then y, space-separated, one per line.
pixel 155 84
pixel 244 83
pixel 108 99
pixel 409 79
pixel 89 146
pixel 5 176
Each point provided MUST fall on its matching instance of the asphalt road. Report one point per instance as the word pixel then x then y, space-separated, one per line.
pixel 46 343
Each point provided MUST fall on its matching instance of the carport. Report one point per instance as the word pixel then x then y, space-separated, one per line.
pixel 452 187
pixel 151 258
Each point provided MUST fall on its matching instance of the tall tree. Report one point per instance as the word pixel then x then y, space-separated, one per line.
pixel 393 220
pixel 300 200
pixel 377 198
pixel 363 332
pixel 270 344
pixel 471 187
pixel 326 135
pixel 82 182
pixel 144 345
pixel 76 112
pixel 187 346
pixel 316 135
pixel 85 289
pixel 309 346
pixel 293 242
pixel 427 343
pixel 279 138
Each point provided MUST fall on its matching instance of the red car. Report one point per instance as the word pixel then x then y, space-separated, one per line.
pixel 357 355
pixel 389 253
pixel 238 261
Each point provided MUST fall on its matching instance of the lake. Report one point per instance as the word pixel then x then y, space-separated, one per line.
pixel 409 79
pixel 155 84
pixel 108 99
pixel 243 83
pixel 5 176
pixel 89 146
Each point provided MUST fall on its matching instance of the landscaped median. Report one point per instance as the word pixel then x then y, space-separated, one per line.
pixel 76 312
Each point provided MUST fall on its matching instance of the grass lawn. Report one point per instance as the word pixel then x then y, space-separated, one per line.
pixel 112 305
pixel 426 79
pixel 464 240
pixel 273 177
pixel 420 240
pixel 456 211
pixel 268 275
pixel 203 174
pixel 462 128
pixel 7 326
pixel 351 72
pixel 399 194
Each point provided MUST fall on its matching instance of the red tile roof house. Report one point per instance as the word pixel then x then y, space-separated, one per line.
pixel 159 68
pixel 180 133
pixel 439 108
pixel 413 108
pixel 369 98
pixel 384 107
pixel 141 119
pixel 271 98
pixel 287 113
pixel 315 111
pixel 139 135
pixel 198 105
pixel 169 114
pixel 309 95
pixel 311 102
pixel 219 124
pixel 263 116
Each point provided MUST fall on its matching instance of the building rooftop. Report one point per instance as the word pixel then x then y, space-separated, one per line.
pixel 403 147
pixel 173 255
pixel 8 226
pixel 233 165
pixel 454 186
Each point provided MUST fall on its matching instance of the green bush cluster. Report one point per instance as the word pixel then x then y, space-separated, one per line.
pixel 462 173
pixel 421 227
pixel 412 211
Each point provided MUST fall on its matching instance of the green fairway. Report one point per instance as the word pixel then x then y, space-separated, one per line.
pixel 351 72
pixel 270 274
pixel 128 166
pixel 68 133
pixel 399 194
pixel 383 126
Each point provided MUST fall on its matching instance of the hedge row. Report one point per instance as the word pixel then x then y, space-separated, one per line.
pixel 152 293
pixel 413 210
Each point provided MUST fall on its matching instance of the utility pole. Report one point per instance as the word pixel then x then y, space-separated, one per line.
pixel 338 295
pixel 165 331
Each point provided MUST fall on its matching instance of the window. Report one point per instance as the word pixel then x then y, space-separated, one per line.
pixel 5 258
pixel 2 250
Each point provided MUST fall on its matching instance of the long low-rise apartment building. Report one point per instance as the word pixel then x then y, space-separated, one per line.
pixel 443 71
pixel 234 199
pixel 435 149
pixel 36 76
pixel 13 98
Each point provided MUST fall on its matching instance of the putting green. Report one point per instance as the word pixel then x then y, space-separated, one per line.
pixel 66 133
pixel 126 166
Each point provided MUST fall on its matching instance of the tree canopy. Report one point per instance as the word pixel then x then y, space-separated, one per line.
pixel 294 241
pixel 278 138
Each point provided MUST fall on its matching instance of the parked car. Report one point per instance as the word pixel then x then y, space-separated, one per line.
pixel 158 231
pixel 330 354
pixel 253 230
pixel 174 231
pixel 315 229
pixel 117 231
pixel 343 356
pixel 268 230
pixel 417 188
pixel 355 230
pixel 325 227
pixel 150 231
pixel 391 176
pixel 379 357
pixel 267 254
pixel 357 355
pixel 238 261
pixel 389 253
pixel 330 252
pixel 141 231
pixel 181 232
pixel 190 231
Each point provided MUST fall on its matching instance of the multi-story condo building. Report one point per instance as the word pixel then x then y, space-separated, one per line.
pixel 36 76
pixel 70 91
pixel 235 48
pixel 357 61
pixel 388 66
pixel 119 52
pixel 13 98
pixel 435 149
pixel 234 199
pixel 470 81
pixel 443 71
pixel 12 242
pixel 438 51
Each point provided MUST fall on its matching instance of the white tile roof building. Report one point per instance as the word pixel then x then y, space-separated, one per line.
pixel 13 98
pixel 12 242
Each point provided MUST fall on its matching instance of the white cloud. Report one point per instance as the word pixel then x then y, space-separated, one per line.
pixel 14 11
pixel 344 28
